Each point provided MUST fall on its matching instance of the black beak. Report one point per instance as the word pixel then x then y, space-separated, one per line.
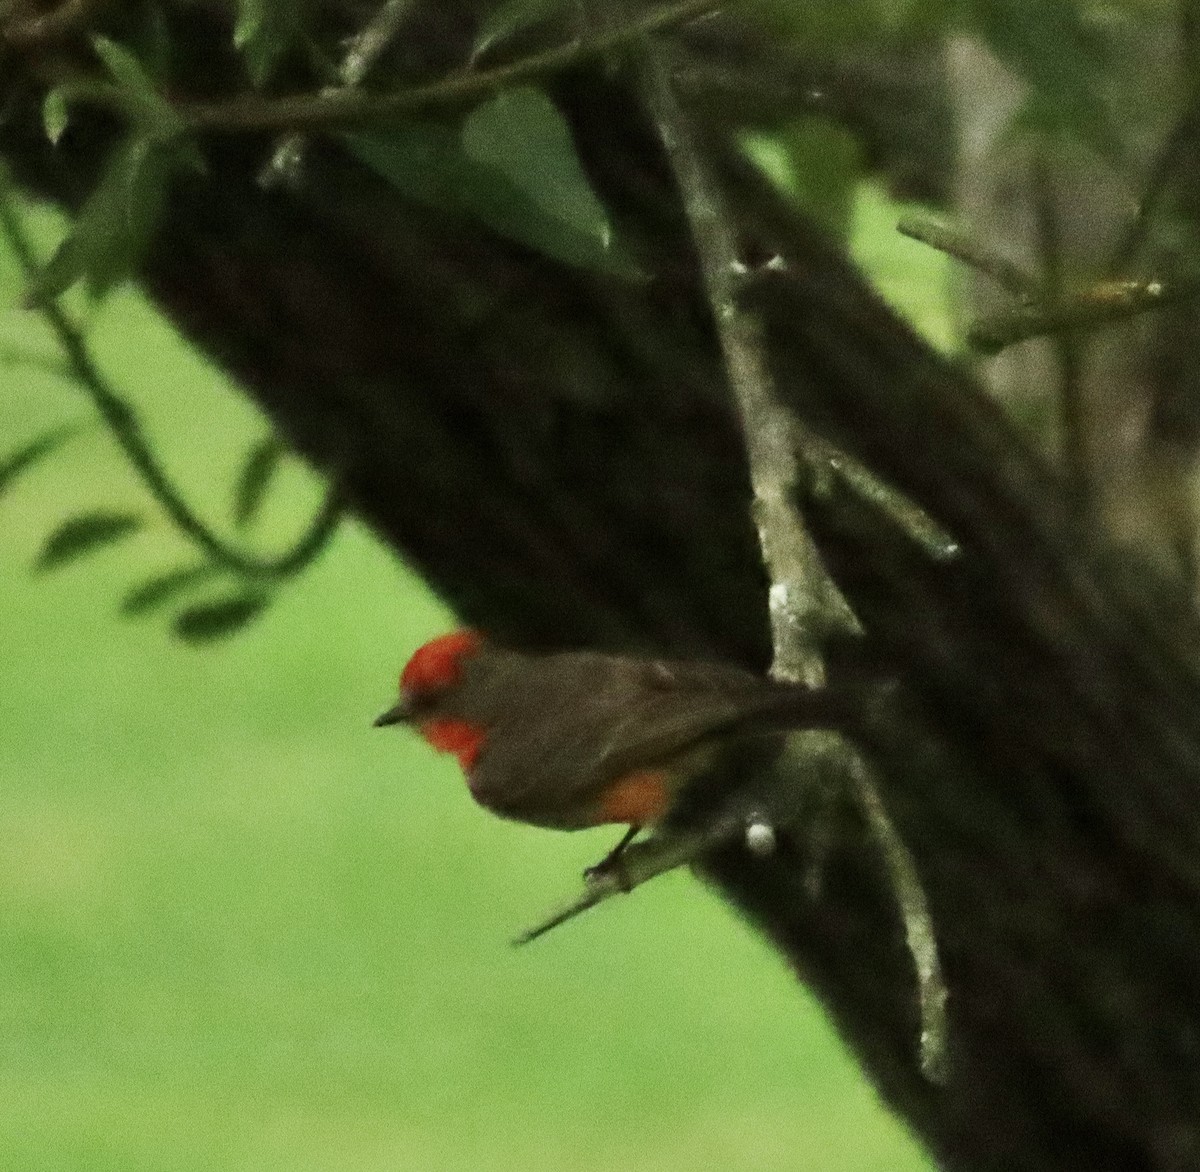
pixel 397 714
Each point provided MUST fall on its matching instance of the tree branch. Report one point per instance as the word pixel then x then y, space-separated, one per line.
pixel 1088 309
pixel 805 603
pixel 1039 311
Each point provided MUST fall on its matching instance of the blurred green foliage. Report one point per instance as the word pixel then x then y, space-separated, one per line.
pixel 509 161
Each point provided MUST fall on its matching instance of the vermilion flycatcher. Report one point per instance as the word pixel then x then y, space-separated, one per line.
pixel 575 739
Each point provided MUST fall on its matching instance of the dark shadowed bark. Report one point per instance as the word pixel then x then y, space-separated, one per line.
pixel 556 453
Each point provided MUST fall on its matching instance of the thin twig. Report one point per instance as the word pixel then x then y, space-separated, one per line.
pixel 1005 271
pixel 1170 159
pixel 1037 313
pixel 1072 395
pixel 287 159
pixel 122 421
pixel 918 922
pixel 805 603
pixel 1088 309
pixel 638 864
pixel 345 108
pixel 832 465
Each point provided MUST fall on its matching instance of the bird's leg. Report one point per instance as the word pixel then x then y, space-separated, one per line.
pixel 611 863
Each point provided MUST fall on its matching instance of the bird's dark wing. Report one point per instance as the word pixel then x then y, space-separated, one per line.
pixel 587 720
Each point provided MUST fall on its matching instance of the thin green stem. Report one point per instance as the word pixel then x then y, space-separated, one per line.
pixel 122 421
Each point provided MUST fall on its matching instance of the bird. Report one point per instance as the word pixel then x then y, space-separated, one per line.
pixel 574 739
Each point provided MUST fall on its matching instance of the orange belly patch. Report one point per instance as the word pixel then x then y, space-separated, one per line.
pixel 638 798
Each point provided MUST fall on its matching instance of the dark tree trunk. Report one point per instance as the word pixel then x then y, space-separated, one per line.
pixel 556 453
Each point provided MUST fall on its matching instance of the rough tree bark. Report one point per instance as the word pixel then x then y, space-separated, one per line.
pixel 555 451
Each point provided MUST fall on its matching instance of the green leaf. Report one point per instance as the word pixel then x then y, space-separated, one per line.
pixel 260 466
pixel 153 39
pixel 55 115
pixel 520 135
pixel 31 453
pixel 83 535
pixel 154 115
pixel 216 620
pixel 164 588
pixel 264 32
pixel 114 227
pixel 1052 47
pixel 427 162
pixel 422 160
pixel 123 66
pixel 512 17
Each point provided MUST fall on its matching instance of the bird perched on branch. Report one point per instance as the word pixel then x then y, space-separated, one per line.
pixel 576 739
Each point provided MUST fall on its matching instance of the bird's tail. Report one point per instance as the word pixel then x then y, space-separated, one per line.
pixel 841 706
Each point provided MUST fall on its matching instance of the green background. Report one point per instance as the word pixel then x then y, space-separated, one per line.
pixel 241 929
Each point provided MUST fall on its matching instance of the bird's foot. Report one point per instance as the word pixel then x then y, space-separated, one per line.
pixel 612 865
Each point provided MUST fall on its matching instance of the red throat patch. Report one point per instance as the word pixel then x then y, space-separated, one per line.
pixel 460 737
pixel 438 664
